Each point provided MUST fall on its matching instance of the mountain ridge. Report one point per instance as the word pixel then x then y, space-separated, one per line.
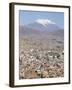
pixel 43 25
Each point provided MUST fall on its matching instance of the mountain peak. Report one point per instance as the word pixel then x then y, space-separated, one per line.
pixel 44 22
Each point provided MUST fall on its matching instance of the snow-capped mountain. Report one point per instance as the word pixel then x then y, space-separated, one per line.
pixel 43 24
pixel 41 28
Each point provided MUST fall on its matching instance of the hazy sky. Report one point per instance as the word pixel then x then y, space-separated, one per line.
pixel 27 17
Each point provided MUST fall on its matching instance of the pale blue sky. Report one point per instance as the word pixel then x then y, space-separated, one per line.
pixel 27 17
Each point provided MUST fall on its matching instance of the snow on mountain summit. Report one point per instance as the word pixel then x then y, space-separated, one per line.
pixel 43 25
pixel 44 22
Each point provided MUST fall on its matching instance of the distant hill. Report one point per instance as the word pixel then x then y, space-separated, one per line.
pixel 27 30
pixel 43 25
pixel 45 29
